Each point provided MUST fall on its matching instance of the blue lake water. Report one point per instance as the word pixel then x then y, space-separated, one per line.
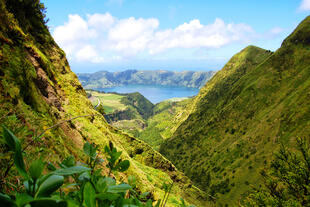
pixel 154 93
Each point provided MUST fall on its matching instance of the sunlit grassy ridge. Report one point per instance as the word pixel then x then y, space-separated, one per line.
pixel 256 102
pixel 38 90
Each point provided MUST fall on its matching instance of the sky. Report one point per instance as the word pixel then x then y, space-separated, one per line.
pixel 117 35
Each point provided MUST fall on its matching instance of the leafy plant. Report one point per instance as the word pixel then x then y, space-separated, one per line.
pixel 115 164
pixel 89 187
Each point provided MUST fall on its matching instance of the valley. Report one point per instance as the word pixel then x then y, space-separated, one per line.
pixel 243 140
pixel 137 116
pixel 223 137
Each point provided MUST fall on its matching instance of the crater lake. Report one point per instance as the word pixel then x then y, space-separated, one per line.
pixel 154 93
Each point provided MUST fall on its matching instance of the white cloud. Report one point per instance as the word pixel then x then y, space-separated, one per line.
pixel 100 37
pixel 88 53
pixel 305 5
pixel 276 30
pixel 100 21
pixel 130 36
pixel 196 35
pixel 73 33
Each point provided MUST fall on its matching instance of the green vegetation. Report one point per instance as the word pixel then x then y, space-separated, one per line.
pixel 137 116
pixel 286 182
pixel 221 139
pixel 89 187
pixel 104 79
pixel 110 101
pixel 38 91
pixel 257 102
pixel 127 112
pixel 165 120
pixel 140 103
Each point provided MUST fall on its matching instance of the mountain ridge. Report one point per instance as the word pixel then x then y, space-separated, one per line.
pixel 104 79
pixel 242 115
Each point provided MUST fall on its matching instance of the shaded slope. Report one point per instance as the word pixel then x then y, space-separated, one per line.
pixel 38 90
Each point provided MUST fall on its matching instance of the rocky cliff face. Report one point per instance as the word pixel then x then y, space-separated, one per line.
pixel 38 90
pixel 257 102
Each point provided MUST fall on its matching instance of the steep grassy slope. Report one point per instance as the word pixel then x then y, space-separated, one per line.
pixel 103 79
pixel 256 102
pixel 164 121
pixel 38 90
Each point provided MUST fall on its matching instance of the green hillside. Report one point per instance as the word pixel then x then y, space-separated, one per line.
pixel 164 121
pixel 137 116
pixel 257 102
pixel 110 101
pixel 38 90
pixel 127 112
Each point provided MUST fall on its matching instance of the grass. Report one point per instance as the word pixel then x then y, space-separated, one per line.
pixel 109 101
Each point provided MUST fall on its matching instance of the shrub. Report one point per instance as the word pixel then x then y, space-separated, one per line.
pixel 84 184
pixel 286 182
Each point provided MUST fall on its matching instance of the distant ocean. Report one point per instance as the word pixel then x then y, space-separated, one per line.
pixel 154 93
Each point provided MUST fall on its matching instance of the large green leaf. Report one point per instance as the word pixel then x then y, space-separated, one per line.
pixel 107 196
pixel 122 188
pixel 103 183
pixel 50 185
pixel 89 195
pixel 14 145
pixel 36 168
pixel 71 170
pixel 85 176
pixel 48 202
pixel 122 166
pixel 132 181
pixel 42 179
pixel 6 201
pixel 23 198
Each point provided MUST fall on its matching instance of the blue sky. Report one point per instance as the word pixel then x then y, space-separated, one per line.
pixel 178 35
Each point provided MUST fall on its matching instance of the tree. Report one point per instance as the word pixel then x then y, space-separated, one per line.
pixel 286 182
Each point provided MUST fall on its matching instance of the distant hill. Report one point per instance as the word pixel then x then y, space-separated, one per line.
pixel 127 112
pixel 259 101
pixel 104 79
